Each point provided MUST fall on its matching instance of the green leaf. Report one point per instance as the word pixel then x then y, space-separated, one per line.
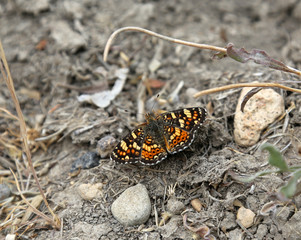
pixel 290 188
pixel 275 158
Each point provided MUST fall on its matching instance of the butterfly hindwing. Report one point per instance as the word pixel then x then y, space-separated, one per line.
pixel 152 151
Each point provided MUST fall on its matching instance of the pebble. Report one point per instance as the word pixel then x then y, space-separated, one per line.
pixel 196 204
pixel 291 229
pixel 90 191
pixel 10 237
pixel 261 110
pixel 262 231
pixel 4 191
pixel 105 146
pixel 65 37
pixel 175 207
pixel 228 221
pixel 245 216
pixel 283 214
pixel 86 161
pixel 235 234
pixel 133 206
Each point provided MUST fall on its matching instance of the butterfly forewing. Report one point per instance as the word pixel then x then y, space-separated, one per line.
pixel 130 147
pixel 180 127
pixel 187 119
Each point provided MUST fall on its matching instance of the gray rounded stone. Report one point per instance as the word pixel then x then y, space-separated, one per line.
pixel 133 206
pixel 175 207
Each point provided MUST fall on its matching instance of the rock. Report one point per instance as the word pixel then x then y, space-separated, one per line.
pixel 235 234
pixel 4 191
pixel 262 109
pixel 291 229
pixel 65 37
pixel 273 229
pixel 90 191
pixel 283 214
pixel 133 206
pixel 86 161
pixel 175 207
pixel 245 216
pixel 105 145
pixel 196 204
pixel 228 221
pixel 153 236
pixel 262 231
pixel 10 237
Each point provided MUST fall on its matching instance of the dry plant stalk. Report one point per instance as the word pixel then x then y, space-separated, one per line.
pixel 240 55
pixel 55 221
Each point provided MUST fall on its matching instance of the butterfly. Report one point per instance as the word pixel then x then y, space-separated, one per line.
pixel 160 135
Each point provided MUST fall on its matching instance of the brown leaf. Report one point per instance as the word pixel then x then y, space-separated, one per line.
pixel 41 45
pixel 155 83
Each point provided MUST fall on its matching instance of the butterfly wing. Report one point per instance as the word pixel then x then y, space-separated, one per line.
pixel 180 127
pixel 152 152
pixel 130 147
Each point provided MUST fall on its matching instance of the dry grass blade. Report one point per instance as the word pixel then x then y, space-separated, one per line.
pixel 240 85
pixel 170 39
pixel 9 82
pixel 36 211
pixel 8 113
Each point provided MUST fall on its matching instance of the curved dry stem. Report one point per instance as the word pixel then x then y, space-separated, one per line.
pixel 293 70
pixel 240 85
pixel 154 34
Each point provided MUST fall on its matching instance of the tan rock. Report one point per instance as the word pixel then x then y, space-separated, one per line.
pixel 90 191
pixel 245 217
pixel 261 110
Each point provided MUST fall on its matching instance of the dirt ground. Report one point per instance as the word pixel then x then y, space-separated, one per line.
pixel 55 50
